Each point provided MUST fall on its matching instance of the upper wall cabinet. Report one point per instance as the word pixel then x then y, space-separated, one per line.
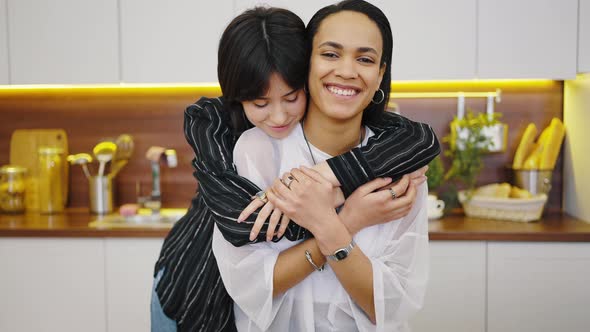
pixel 432 40
pixel 63 41
pixel 172 41
pixel 527 38
pixel 584 37
pixel 305 9
pixel 3 44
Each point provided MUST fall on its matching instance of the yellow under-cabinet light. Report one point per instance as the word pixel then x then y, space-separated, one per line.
pixel 212 88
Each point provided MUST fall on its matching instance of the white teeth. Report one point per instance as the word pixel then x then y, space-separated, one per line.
pixel 342 92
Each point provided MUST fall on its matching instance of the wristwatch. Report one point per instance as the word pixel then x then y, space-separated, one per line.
pixel 342 253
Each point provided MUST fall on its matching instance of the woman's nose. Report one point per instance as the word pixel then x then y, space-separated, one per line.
pixel 346 68
pixel 278 116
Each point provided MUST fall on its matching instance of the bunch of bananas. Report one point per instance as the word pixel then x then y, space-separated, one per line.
pixel 542 154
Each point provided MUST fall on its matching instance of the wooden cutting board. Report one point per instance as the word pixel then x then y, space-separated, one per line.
pixel 24 145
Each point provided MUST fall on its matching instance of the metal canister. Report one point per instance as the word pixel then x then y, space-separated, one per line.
pixel 12 189
pixel 51 198
pixel 535 181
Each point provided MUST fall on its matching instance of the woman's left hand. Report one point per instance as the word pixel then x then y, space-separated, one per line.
pixel 267 210
pixel 308 201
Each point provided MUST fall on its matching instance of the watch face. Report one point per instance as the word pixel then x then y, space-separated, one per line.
pixel 341 254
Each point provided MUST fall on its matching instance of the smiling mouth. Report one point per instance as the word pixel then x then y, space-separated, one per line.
pixel 344 92
pixel 279 128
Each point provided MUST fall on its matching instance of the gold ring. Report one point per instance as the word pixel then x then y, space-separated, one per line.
pixel 261 195
pixel 393 195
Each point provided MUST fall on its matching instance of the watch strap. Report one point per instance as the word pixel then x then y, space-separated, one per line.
pixel 342 253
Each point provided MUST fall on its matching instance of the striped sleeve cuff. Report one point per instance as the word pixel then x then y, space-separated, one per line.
pixel 352 170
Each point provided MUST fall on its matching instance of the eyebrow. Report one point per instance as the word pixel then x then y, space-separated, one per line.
pixel 285 95
pixel 340 47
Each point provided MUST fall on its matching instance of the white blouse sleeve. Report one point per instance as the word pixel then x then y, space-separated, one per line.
pixel 400 271
pixel 247 271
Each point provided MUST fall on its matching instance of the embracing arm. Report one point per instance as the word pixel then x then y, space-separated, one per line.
pixel 225 193
pixel 387 286
pixel 400 146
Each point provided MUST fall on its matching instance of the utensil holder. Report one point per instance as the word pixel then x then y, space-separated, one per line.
pixel 535 181
pixel 101 194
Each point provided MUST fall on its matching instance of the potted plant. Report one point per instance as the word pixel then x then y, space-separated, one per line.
pixel 467 145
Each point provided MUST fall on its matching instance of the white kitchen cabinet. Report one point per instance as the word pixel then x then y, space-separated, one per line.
pixel 304 9
pixel 63 41
pixel 432 40
pixel 527 39
pixel 4 73
pixel 538 287
pixel 52 285
pixel 456 294
pixel 172 41
pixel 584 37
pixel 129 276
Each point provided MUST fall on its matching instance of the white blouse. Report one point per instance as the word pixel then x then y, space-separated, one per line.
pixel 398 251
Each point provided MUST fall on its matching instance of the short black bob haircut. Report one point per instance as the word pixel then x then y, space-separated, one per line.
pixel 373 112
pixel 257 43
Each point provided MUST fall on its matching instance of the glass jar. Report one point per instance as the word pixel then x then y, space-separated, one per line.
pixel 12 189
pixel 51 198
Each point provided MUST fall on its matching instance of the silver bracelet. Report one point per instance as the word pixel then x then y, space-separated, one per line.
pixel 308 256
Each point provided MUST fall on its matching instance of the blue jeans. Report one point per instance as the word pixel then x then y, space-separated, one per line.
pixel 160 322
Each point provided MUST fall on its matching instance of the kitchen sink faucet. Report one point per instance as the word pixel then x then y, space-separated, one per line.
pixel 155 154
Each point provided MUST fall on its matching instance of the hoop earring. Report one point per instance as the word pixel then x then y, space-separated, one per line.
pixel 380 100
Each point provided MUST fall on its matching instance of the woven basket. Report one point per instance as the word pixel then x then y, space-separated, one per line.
pixel 513 209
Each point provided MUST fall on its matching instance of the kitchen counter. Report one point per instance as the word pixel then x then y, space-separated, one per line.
pixel 74 223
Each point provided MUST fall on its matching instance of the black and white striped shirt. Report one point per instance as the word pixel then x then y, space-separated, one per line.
pixel 191 291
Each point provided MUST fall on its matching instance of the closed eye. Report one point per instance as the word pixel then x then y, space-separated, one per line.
pixel 260 104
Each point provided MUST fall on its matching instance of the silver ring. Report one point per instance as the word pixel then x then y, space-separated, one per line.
pixel 393 195
pixel 261 195
pixel 288 182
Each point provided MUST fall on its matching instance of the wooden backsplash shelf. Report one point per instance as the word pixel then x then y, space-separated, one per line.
pixel 156 118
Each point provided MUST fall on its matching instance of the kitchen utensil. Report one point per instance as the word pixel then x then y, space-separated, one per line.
pixel 81 159
pixel 12 189
pixel 124 152
pixel 51 199
pixel 24 146
pixel 103 152
pixel 101 194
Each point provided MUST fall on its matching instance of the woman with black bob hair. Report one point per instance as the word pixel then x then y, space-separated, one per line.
pixel 256 44
pixel 259 48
